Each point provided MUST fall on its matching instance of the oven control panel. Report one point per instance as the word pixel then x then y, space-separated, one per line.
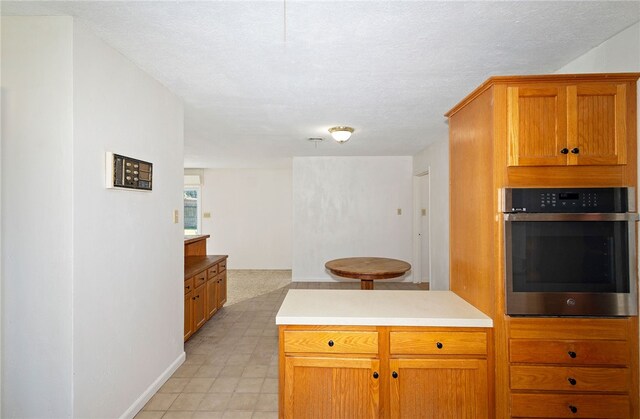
pixel 561 200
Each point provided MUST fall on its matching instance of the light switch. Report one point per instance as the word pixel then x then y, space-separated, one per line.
pixel 206 215
pixel 399 211
pixel 176 216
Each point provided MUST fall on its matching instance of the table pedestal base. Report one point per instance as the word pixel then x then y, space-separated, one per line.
pixel 366 284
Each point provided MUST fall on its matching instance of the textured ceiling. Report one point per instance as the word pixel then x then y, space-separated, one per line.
pixel 259 78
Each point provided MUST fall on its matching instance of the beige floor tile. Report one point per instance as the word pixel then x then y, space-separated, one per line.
pixel 215 402
pixel 249 385
pixel 265 415
pixel 255 371
pixel 178 415
pixel 187 401
pixel 267 403
pixel 237 415
pixel 208 371
pixel 174 385
pixel 144 414
pixel 207 415
pixel 224 385
pixel 186 371
pixel 232 371
pixel 270 385
pixel 238 359
pixel 243 401
pixel 199 385
pixel 161 401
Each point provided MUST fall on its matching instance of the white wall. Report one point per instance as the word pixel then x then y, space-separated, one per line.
pixel 251 216
pixel 128 264
pixel 37 220
pixel 346 206
pixel 620 53
pixel 435 160
pixel 92 299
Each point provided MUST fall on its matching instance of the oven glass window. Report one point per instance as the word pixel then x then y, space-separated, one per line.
pixel 570 256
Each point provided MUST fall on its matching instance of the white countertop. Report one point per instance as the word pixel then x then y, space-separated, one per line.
pixel 379 308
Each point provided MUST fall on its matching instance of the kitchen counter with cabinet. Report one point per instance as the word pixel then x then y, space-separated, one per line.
pixel 387 354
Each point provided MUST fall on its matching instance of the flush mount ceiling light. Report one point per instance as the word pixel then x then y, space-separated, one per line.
pixel 341 134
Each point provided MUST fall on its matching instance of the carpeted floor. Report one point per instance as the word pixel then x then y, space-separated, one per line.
pixel 243 284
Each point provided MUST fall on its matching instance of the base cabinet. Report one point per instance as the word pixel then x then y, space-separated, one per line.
pixel 571 368
pixel 438 388
pixel 383 372
pixel 320 388
pixel 205 288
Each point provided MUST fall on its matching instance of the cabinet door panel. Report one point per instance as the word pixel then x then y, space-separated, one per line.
pixel 199 307
pixel 212 297
pixel 537 125
pixel 188 315
pixel 439 388
pixel 597 124
pixel 222 289
pixel 331 388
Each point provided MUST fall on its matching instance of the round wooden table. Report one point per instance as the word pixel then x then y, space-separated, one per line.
pixel 367 269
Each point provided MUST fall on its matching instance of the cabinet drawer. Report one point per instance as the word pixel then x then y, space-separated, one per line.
pixel 586 352
pixel 580 379
pixel 331 342
pixel 199 279
pixel 560 406
pixel 438 343
pixel 212 271
pixel 222 266
pixel 188 285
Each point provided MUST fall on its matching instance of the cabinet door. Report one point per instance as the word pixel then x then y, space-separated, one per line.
pixel 537 125
pixel 212 297
pixel 331 388
pixel 597 124
pixel 439 388
pixel 222 289
pixel 199 307
pixel 188 315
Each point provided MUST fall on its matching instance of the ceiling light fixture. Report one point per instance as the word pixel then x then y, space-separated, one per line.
pixel 341 134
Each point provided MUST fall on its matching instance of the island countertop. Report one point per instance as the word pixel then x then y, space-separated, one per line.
pixel 379 308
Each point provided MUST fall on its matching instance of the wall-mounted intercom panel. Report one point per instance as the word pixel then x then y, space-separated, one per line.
pixel 128 173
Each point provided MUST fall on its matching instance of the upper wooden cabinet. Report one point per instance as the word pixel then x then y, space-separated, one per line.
pixel 567 124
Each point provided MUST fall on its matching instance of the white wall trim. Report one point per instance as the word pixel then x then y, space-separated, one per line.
pixel 153 388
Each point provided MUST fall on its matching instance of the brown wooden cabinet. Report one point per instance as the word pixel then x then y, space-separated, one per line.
pixel 519 131
pixel 387 372
pixel 205 287
pixel 331 387
pixel 567 124
pixel 564 368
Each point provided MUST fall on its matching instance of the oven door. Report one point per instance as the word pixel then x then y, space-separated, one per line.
pixel 571 264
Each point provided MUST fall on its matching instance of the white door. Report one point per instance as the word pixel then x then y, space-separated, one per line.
pixel 424 216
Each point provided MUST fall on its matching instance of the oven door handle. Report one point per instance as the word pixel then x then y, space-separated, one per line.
pixel 626 216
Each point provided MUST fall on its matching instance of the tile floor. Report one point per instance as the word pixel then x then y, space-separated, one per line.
pixel 231 369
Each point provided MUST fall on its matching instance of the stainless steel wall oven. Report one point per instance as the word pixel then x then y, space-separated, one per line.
pixel 570 251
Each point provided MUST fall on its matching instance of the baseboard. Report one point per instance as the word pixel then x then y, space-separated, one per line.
pixel 153 388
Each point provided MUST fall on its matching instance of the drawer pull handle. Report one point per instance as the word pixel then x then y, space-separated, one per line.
pixel 564 151
pixel 375 374
pixel 394 374
pixel 188 287
pixel 330 343
pixel 572 354
pixel 439 345
pixel 573 408
pixel 572 381
pixel 575 150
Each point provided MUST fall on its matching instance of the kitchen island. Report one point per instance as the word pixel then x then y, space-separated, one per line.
pixel 388 354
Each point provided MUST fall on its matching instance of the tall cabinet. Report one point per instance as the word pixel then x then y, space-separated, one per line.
pixel 542 131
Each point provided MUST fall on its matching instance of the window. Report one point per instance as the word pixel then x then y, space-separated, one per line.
pixel 192 210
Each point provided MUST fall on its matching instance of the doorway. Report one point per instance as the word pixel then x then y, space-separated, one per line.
pixel 422 237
